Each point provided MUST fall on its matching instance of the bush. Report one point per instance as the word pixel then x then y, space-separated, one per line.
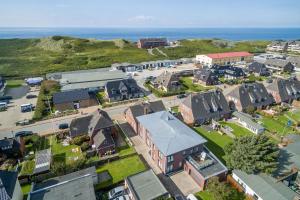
pixel 80 139
pixel 84 146
pixel 57 37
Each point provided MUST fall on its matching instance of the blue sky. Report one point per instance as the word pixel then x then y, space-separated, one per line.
pixel 149 13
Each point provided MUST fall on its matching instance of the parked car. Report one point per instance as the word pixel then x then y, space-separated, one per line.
pixel 23 133
pixel 23 122
pixel 116 192
pixel 27 108
pixel 179 197
pixel 31 96
pixel 191 197
pixel 124 197
pixel 181 96
pixel 63 126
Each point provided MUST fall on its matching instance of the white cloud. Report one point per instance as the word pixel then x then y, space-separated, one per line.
pixel 142 18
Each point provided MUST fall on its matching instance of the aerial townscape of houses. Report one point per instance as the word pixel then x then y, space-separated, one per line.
pixel 164 120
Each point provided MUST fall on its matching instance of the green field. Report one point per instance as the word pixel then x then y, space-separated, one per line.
pixel 14 83
pixel 32 57
pixel 120 169
pixel 215 142
pixel 204 195
pixel 294 115
pixel 238 131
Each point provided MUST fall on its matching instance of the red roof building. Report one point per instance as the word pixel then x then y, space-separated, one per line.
pixel 224 58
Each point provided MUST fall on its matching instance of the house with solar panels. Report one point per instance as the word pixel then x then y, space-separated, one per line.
pixel 174 146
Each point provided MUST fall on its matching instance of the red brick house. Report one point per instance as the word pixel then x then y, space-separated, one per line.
pixel 284 90
pixel 174 146
pixel 199 108
pixel 140 109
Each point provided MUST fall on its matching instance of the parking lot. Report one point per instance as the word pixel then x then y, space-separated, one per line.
pixel 13 113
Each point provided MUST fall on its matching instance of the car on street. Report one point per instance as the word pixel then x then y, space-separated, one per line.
pixel 31 96
pixel 124 197
pixel 63 126
pixel 23 122
pixel 23 133
pixel 179 197
pixel 116 192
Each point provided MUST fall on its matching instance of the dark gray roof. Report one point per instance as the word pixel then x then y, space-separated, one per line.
pixel 169 134
pixel 8 181
pixel 76 186
pixel 266 187
pixel 167 79
pixel 42 161
pixel 254 94
pixel 71 96
pixel 221 70
pixel 206 75
pixel 114 88
pixel 103 139
pixel 146 186
pixel 207 105
pixel 259 68
pixel 90 124
pixel 148 107
pixel 288 89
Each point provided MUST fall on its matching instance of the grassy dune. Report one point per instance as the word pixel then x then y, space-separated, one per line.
pixel 29 57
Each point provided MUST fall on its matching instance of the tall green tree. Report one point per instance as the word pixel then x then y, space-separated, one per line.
pixel 252 154
pixel 222 190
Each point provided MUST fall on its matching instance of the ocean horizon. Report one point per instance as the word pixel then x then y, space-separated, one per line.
pixel 133 34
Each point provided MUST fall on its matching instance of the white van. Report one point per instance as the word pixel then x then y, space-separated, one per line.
pixel 3 106
pixel 191 197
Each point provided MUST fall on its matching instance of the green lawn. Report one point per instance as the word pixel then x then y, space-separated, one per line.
pixel 215 142
pixel 27 167
pixel 126 150
pixel 14 83
pixel 120 169
pixel 204 195
pixel 26 188
pixel 192 87
pixel 295 115
pixel 238 131
pixel 67 154
pixel 277 124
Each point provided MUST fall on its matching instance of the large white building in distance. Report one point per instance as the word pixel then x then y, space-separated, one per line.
pixel 224 58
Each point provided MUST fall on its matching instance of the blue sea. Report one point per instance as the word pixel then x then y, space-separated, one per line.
pixel 134 34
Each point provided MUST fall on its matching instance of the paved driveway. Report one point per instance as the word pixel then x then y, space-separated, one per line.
pixel 185 182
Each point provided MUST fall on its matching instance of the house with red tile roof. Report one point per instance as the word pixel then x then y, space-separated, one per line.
pixel 224 58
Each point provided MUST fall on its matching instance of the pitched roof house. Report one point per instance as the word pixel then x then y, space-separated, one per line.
pixel 199 108
pixel 228 71
pixel 259 69
pixel 11 147
pixel 284 90
pixel 99 127
pixel 167 81
pixel 206 77
pixel 249 95
pixel 78 185
pixel 248 122
pixel 122 90
pixel 174 146
pixel 279 65
pixel 148 43
pixel 10 188
pixel 74 99
pixel 140 109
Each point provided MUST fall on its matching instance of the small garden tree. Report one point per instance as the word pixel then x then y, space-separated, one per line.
pixel 252 154
pixel 222 190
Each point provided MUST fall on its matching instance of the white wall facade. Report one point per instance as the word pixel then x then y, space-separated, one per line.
pixel 247 189
pixel 204 60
